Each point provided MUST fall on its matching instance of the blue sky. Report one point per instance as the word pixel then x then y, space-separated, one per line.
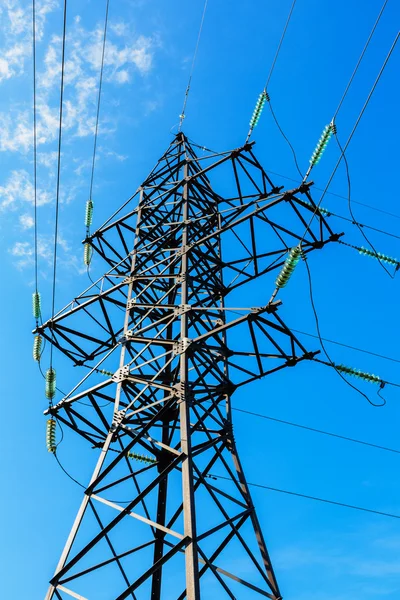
pixel 319 552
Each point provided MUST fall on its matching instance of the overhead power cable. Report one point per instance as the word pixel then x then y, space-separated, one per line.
pixel 352 132
pixel 183 113
pixel 280 44
pixel 360 59
pixel 36 297
pixel 385 212
pixel 265 487
pixel 99 98
pixel 307 428
pixel 331 128
pixel 316 498
pixel 35 144
pixel 331 363
pixel 264 96
pixel 286 139
pixel 377 254
pixel 50 374
pixel 87 252
pixel 348 346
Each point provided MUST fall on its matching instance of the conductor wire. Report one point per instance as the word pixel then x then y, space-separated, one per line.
pixel 360 60
pixel 51 370
pixel 352 133
pixel 35 143
pixel 99 99
pixel 183 113
pixel 280 44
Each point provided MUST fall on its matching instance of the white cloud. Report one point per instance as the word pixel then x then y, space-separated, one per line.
pixel 122 76
pixel 17 21
pixel 19 188
pixel 26 221
pixel 113 154
pixel 23 255
pixel 124 56
pixel 5 72
pixel 48 159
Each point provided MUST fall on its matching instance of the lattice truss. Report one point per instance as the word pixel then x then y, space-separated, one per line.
pixel 162 354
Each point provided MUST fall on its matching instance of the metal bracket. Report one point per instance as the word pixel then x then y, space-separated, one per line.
pixel 129 279
pixel 182 309
pixel 117 420
pixel 181 346
pixel 121 374
pixel 132 302
pixel 183 250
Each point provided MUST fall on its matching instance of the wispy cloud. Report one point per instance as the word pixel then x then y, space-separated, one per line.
pixel 17 26
pixel 19 189
pixel 23 255
pixel 26 221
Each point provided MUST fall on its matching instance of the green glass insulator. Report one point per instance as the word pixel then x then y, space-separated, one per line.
pixel 141 458
pixel 89 213
pixel 378 256
pixel 51 425
pixel 371 378
pixel 104 372
pixel 258 109
pixel 288 267
pixel 322 144
pixel 36 304
pixel 87 254
pixel 319 209
pixel 50 383
pixel 37 347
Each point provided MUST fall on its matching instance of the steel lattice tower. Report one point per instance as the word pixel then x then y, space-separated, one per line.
pixel 162 355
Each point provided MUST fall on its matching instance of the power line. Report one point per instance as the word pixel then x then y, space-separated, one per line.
pixel 264 97
pixel 351 210
pixel 34 142
pixel 359 224
pixel 361 113
pixel 331 363
pixel 353 131
pixel 280 44
pixel 316 498
pixel 99 98
pixel 286 139
pixel 58 175
pixel 360 60
pixel 348 346
pixel 273 489
pixel 385 212
pixel 182 115
pixel 307 428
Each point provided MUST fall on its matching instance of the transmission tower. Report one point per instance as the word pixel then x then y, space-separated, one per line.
pixel 167 512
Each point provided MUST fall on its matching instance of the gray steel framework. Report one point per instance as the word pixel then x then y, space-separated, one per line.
pixel 162 354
